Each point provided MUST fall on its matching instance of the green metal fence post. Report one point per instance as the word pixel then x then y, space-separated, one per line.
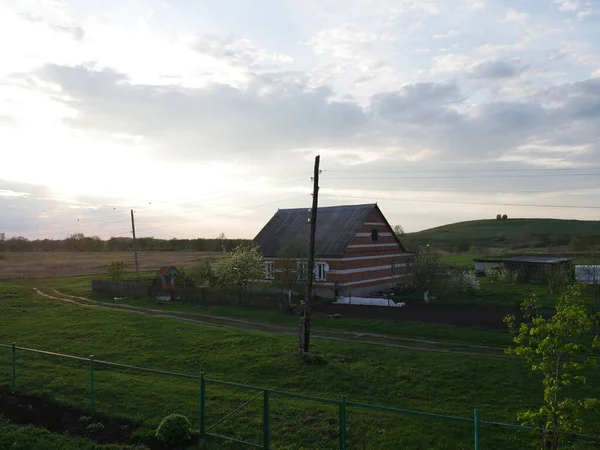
pixel 92 399
pixel 202 405
pixel 13 381
pixel 266 430
pixel 476 427
pixel 343 423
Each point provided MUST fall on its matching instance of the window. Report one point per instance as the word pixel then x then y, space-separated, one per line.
pixel 302 269
pixel 374 234
pixel 320 272
pixel 269 270
pixel 394 266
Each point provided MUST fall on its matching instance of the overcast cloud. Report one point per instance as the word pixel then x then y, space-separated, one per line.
pixel 206 120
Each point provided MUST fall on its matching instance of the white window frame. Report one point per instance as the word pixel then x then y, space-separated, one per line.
pixel 320 272
pixel 269 270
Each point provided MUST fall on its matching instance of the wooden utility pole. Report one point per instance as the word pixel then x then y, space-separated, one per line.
pixel 137 265
pixel 304 337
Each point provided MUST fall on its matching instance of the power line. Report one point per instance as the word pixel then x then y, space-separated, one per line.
pixel 464 203
pixel 216 215
pixel 538 169
pixel 437 177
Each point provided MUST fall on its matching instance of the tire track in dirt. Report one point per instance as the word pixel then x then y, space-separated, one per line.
pixel 244 325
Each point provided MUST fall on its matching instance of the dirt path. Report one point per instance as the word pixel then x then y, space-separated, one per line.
pixel 240 324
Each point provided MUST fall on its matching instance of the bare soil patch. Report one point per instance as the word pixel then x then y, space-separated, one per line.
pixel 65 264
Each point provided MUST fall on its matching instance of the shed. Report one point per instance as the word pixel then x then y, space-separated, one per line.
pixel 166 275
pixel 531 268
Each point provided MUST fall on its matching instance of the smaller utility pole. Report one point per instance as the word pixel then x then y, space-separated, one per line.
pixel 305 319
pixel 137 266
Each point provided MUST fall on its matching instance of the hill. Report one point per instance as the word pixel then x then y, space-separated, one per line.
pixel 511 233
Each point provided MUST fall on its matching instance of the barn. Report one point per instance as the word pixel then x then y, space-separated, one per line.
pixel 356 250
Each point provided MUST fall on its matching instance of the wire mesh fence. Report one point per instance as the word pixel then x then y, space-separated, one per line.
pixel 252 416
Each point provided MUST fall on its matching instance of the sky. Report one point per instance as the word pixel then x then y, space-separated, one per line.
pixel 205 117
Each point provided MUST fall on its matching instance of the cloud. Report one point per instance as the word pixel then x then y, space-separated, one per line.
pixel 494 69
pixel 274 115
pixel 75 31
pixel 516 17
pixel 270 114
pixel 447 35
pixel 567 5
pixel 238 52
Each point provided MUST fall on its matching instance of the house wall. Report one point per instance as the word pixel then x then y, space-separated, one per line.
pixel 365 266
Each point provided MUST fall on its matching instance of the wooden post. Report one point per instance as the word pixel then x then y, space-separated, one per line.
pixel 137 266
pixel 303 341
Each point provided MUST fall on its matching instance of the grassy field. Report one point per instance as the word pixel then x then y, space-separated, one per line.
pixel 440 383
pixel 503 234
pixel 66 264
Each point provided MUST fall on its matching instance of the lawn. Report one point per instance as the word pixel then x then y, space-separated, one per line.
pixel 435 382
pixel 80 286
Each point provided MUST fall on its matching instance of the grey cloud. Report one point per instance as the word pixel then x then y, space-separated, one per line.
pixel 497 69
pixel 277 113
pixel 269 115
pixel 75 31
pixel 238 52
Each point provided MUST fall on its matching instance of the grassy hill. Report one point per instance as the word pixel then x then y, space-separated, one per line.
pixel 510 233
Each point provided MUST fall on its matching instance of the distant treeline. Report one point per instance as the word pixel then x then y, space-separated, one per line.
pixel 80 243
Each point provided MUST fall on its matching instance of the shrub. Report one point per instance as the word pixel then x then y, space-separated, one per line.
pixel 464 282
pixel 506 276
pixel 143 436
pixel 115 269
pixel 174 430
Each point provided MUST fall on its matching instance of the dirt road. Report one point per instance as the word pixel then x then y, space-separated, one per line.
pixel 246 325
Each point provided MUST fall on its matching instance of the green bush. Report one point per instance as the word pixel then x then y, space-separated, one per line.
pixel 143 436
pixel 174 430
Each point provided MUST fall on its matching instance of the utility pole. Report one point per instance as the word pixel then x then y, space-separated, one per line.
pixel 137 265
pixel 305 319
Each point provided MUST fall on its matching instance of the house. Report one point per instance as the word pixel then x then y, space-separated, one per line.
pixel 356 250
pixel 530 268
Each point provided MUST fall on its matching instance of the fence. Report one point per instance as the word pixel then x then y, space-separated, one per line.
pixel 232 297
pixel 270 398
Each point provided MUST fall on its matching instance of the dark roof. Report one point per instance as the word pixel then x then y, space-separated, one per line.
pixel 165 270
pixel 529 259
pixel 288 231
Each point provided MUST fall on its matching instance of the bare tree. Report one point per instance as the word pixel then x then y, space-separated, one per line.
pixel 398 230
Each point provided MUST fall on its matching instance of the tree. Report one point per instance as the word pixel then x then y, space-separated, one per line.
pixel 242 264
pixel 559 348
pixel 116 268
pixel 556 277
pixel 399 230
pixel 504 217
pixel 203 275
pixel 425 268
pixel 498 216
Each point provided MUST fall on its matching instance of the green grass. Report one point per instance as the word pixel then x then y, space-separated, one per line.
pixel 80 286
pixel 434 382
pixel 511 233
